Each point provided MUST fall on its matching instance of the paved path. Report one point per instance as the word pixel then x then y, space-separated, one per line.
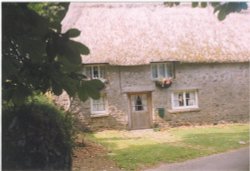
pixel 237 160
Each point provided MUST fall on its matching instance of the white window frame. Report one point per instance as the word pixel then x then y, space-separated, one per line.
pixel 99 113
pixel 92 71
pixel 158 70
pixel 195 106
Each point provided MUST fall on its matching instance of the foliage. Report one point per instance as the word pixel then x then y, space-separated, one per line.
pixel 223 9
pixel 36 135
pixel 37 56
pixel 133 150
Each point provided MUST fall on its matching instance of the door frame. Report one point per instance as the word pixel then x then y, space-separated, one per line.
pixel 149 105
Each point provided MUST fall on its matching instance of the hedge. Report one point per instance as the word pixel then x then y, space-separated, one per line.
pixel 36 136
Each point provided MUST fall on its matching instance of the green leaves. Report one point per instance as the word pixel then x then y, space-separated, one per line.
pixel 16 93
pixel 171 4
pixel 37 56
pixel 82 49
pixel 195 4
pixel 199 4
pixel 53 12
pixel 20 94
pixel 56 88
pixel 90 89
pixel 223 9
pixel 203 4
pixel 59 45
pixel 73 33
pixel 227 8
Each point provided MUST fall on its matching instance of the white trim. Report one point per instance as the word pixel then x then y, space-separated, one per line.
pixel 195 106
pixel 184 110
pixel 98 115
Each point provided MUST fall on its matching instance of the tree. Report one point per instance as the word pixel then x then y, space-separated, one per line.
pixel 38 57
pixel 223 9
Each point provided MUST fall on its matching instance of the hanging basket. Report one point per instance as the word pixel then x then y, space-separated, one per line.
pixel 164 83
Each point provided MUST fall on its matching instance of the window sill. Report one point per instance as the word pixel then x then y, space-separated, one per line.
pixel 184 110
pixel 97 115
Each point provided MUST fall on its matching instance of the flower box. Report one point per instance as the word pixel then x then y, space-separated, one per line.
pixel 164 82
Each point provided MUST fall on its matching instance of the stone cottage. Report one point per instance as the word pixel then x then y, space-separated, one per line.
pixel 162 65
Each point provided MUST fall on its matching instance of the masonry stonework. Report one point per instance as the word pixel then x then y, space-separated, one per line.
pixel 223 95
pixel 223 91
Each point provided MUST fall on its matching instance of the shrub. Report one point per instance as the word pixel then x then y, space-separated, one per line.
pixel 36 135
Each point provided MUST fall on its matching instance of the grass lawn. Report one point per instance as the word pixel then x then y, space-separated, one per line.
pixel 133 150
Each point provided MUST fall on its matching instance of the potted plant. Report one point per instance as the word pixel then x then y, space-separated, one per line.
pixel 164 82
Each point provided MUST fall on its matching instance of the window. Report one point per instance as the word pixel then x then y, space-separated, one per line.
pixel 185 99
pixel 95 71
pixel 99 106
pixel 139 102
pixel 161 70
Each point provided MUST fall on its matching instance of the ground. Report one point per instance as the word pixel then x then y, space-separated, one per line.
pixel 90 156
pixel 141 149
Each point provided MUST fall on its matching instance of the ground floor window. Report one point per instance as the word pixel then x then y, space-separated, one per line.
pixel 99 106
pixel 185 99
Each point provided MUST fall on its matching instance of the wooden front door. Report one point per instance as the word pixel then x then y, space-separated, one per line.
pixel 140 111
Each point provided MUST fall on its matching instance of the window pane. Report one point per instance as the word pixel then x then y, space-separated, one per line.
pixel 176 100
pixel 187 99
pixel 102 72
pixel 99 104
pixel 138 104
pixel 88 72
pixel 181 99
pixel 154 71
pixel 95 72
pixel 101 107
pixel 95 108
pixel 169 68
pixel 161 70
pixel 192 100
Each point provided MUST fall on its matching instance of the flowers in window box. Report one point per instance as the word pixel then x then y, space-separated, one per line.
pixel 164 82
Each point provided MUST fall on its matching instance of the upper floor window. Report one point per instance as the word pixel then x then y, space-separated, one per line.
pixel 161 70
pixel 95 71
pixel 185 99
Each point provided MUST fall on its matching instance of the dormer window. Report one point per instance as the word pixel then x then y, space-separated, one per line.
pixel 95 71
pixel 161 70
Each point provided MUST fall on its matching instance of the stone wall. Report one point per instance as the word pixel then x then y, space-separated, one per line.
pixel 223 92
pixel 223 95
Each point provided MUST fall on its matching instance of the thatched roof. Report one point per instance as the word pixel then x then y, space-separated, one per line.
pixel 135 34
